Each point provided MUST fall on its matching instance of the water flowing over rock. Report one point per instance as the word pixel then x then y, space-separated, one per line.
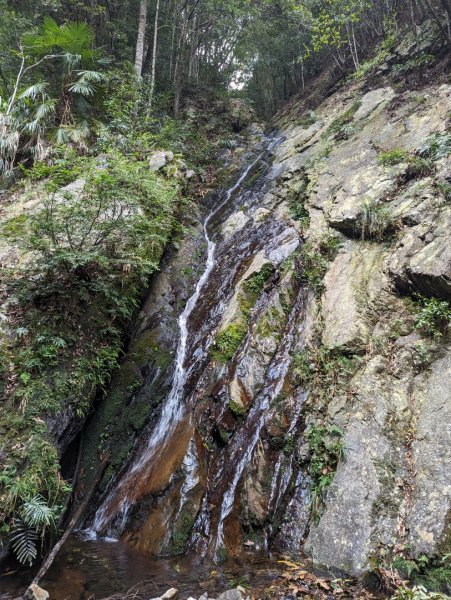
pixel 295 340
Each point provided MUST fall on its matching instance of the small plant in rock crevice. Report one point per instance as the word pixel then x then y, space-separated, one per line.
pixel 315 258
pixel 338 126
pixel 326 449
pixel 228 341
pixel 375 221
pixel 431 572
pixel 419 165
pixel 432 316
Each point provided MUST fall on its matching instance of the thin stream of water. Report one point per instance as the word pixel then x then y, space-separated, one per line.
pixel 173 408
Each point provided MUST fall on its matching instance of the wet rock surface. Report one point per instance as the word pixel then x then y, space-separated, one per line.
pixel 348 241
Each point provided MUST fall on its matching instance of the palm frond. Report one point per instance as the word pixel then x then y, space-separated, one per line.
pixel 35 90
pixel 82 87
pixel 38 514
pixel 23 541
pixel 60 135
pixel 45 109
pixel 90 75
pixel 80 132
pixel 72 38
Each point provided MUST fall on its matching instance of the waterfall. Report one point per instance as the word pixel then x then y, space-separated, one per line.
pixel 116 505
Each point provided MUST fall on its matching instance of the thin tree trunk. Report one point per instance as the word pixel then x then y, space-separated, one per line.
pixel 154 55
pixel 57 547
pixel 142 23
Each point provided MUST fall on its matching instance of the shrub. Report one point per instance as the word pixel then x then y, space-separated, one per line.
pixel 393 157
pixel 417 593
pixel 437 146
pixel 432 316
pixel 228 341
pixel 375 221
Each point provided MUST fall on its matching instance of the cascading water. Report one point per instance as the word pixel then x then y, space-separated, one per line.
pixel 243 445
pixel 111 517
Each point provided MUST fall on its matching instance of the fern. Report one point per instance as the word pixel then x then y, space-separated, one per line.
pixel 24 542
pixel 38 514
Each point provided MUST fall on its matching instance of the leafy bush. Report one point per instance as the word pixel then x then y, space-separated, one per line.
pixel 375 221
pixel 413 64
pixel 228 341
pixel 393 157
pixel 437 146
pixel 432 316
pixel 417 593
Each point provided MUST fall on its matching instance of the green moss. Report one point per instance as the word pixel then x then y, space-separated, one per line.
pixel 271 324
pixel 228 341
pixel 236 409
pixel 340 123
pixel 182 530
pixel 393 157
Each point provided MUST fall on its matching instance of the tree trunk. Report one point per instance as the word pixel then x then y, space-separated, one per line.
pixel 57 547
pixel 154 55
pixel 142 22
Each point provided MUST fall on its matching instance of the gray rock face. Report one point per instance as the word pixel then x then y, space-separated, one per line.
pixel 431 454
pixel 231 595
pixel 391 487
pixel 422 260
pixel 352 279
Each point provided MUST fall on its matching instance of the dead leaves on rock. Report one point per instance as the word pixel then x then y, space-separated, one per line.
pixel 296 582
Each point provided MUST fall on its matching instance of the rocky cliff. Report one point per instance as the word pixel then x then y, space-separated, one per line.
pixel 316 405
pixel 298 398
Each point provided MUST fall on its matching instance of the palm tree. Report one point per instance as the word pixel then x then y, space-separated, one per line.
pixel 59 107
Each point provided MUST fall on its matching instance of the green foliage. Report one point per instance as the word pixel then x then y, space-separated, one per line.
pixel 297 202
pixel 437 146
pixel 271 324
pixel 417 593
pixel 393 157
pixel 55 107
pixel 375 221
pixel 255 284
pixel 444 189
pixel 315 259
pixel 338 127
pixel 417 166
pixel 413 64
pixel 91 250
pixel 322 369
pixel 228 341
pixel 433 573
pixel 326 449
pixel 36 517
pixel 432 316
pixel 382 53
